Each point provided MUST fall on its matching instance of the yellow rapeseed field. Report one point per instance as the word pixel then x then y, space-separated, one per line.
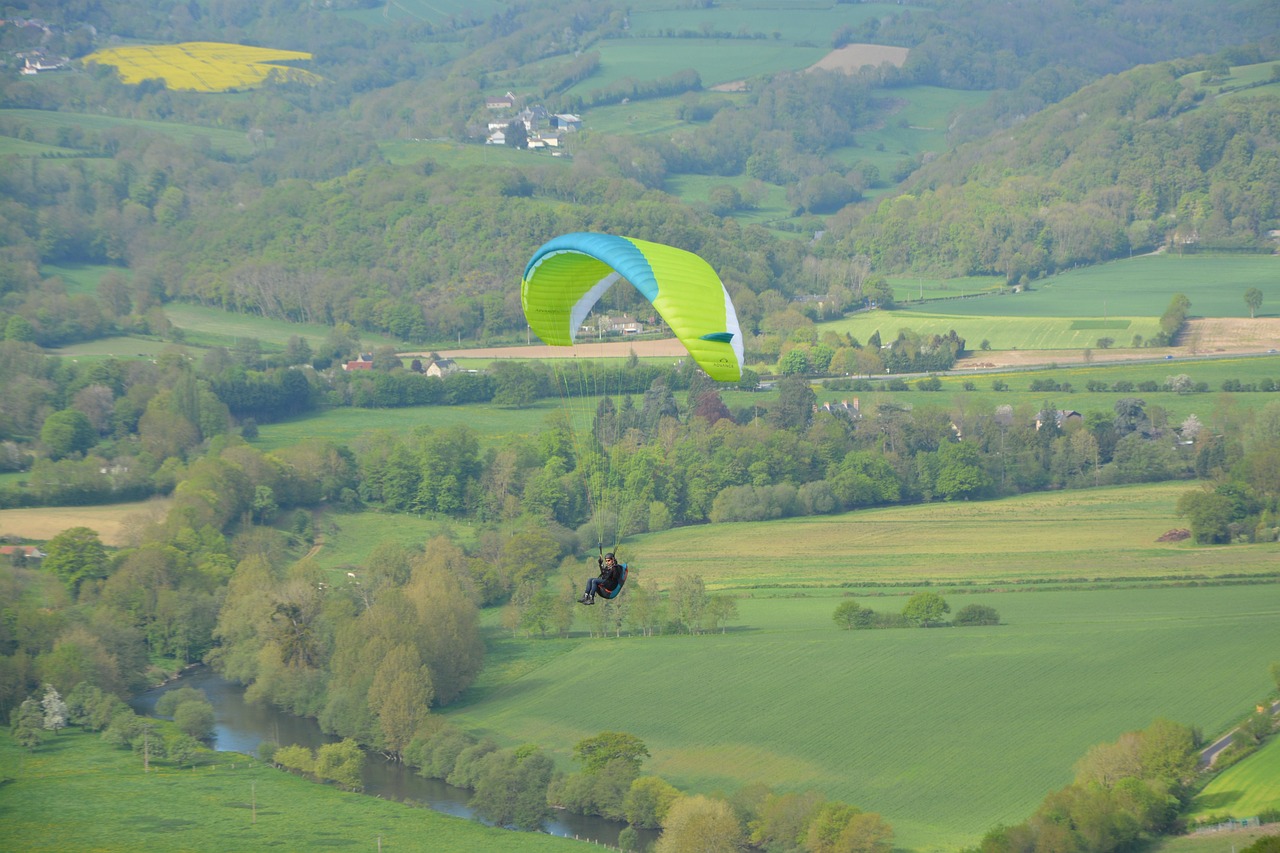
pixel 202 66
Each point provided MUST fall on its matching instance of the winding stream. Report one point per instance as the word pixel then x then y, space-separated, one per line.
pixel 239 726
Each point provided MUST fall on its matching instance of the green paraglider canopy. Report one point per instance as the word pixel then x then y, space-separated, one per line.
pixel 569 274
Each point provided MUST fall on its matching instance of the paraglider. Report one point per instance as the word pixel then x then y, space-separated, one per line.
pixel 609 583
pixel 561 284
pixel 567 276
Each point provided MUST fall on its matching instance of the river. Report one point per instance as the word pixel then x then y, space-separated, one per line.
pixel 239 726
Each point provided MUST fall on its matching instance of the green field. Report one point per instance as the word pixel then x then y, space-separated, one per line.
pixel 1208 407
pixel 945 732
pixel 1003 544
pixel 211 327
pixel 45 121
pixel 347 539
pixel 1138 287
pixel 77 793
pixel 808 23
pixel 12 146
pixel 1002 332
pixel 918 124
pixel 1244 789
pixel 716 60
pixel 493 424
pixel 82 278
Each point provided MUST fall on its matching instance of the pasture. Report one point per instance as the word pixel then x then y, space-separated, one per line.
pixel 76 792
pixel 1002 332
pixel 919 122
pixel 1244 789
pixel 210 327
pixel 74 126
pixel 945 732
pixel 717 61
pixel 344 540
pixel 1026 540
pixel 1137 287
pixel 493 424
pixel 803 23
pixel 200 66
pixel 1170 406
pixel 82 278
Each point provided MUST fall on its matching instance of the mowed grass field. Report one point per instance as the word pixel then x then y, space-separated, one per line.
pixel 945 732
pixel 1245 789
pixel 1002 333
pixel 78 793
pixel 113 522
pixel 1028 539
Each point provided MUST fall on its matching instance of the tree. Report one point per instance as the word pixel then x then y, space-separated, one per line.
pixel 1209 515
pixel 341 762
pixel 688 601
pixel 517 135
pixel 700 824
pixel 720 609
pixel 55 710
pixel 1253 299
pixel 851 614
pixel 794 409
pixel 648 801
pixel 66 432
pixel 598 751
pixel 19 328
pixel 195 718
pixel 26 723
pixel 511 788
pixel 76 555
pixel 925 609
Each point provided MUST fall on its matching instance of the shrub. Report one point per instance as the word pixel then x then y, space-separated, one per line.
pixel 850 615
pixel 295 757
pixel 976 614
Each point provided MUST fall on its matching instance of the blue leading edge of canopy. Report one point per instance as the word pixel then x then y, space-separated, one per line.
pixel 618 252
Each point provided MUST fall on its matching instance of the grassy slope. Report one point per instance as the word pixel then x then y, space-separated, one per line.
pixel 1142 286
pixel 1030 538
pixel 1244 789
pixel 944 732
pixel 77 793
pixel 227 141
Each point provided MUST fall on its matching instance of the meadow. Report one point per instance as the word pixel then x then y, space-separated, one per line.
pixel 1242 790
pixel 493 424
pixel 1031 539
pixel 804 23
pixel 345 540
pixel 1141 286
pixel 78 793
pixel 229 142
pixel 1001 332
pixel 204 66
pixel 212 327
pixel 945 732
pixel 717 61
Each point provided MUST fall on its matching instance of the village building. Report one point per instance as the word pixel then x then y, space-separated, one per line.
pixel 442 367
pixel 364 362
